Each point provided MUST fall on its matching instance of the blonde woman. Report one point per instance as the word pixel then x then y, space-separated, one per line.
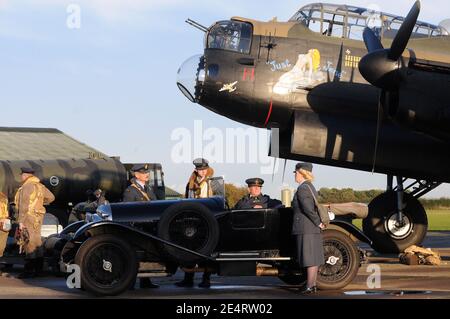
pixel 307 227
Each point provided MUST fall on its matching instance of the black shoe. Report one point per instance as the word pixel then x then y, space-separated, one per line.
pixel 26 275
pixel 185 283
pixel 205 284
pixel 146 283
pixel 308 291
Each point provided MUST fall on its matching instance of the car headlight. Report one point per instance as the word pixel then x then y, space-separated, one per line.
pixel 91 218
pixel 104 212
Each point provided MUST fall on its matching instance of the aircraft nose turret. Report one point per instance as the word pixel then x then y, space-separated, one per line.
pixel 191 75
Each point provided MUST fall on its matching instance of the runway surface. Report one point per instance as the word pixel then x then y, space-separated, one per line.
pixel 397 281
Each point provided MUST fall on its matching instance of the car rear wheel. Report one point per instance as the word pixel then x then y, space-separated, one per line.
pixel 108 265
pixel 192 226
pixel 342 261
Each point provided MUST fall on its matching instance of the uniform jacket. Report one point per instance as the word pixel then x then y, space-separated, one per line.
pixel 306 219
pixel 196 189
pixel 137 193
pixel 4 214
pixel 31 198
pixel 249 202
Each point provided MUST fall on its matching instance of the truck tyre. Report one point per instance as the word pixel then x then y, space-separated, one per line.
pixel 342 261
pixel 108 265
pixel 192 226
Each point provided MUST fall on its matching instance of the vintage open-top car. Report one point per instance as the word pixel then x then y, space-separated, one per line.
pixel 125 240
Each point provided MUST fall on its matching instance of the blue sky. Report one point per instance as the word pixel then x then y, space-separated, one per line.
pixel 111 83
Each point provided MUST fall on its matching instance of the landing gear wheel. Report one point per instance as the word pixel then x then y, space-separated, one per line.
pixel 192 226
pixel 108 265
pixel 387 234
pixel 342 261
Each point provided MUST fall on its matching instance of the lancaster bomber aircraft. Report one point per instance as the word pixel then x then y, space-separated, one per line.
pixel 345 86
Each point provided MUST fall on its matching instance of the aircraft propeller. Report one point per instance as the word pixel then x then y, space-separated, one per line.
pixel 381 67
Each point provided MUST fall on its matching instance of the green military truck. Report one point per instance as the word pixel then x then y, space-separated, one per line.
pixel 67 167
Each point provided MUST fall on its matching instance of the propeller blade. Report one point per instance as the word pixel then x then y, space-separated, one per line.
pixel 404 33
pixel 284 170
pixel 371 41
pixel 377 136
pixel 273 171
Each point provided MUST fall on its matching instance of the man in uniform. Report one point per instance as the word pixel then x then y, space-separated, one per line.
pixel 140 191
pixel 255 199
pixel 4 218
pixel 30 200
pixel 93 201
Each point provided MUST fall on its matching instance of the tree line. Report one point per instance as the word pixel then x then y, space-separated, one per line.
pixel 335 195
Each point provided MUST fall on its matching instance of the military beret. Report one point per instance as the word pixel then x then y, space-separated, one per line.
pixel 27 170
pixel 142 168
pixel 255 182
pixel 305 166
pixel 201 163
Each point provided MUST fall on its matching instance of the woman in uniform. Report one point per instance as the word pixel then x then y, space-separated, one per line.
pixel 307 227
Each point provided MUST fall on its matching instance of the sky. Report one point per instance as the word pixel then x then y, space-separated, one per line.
pixel 104 72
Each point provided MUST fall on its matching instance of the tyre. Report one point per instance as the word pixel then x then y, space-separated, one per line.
pixel 382 228
pixel 108 265
pixel 190 225
pixel 342 261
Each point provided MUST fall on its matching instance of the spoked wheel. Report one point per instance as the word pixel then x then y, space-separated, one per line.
pixel 108 265
pixel 387 233
pixel 342 261
pixel 189 225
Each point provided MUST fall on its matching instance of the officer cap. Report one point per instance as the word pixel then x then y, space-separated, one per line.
pixel 305 166
pixel 141 168
pixel 201 163
pixel 255 182
pixel 27 170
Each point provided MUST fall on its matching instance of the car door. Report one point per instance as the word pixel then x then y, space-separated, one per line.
pixel 250 229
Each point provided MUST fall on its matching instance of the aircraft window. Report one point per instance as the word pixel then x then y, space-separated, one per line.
pixel 349 22
pixel 232 36
pixel 333 25
pixel 421 32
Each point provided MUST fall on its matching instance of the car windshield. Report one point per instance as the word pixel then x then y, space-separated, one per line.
pixel 349 22
pixel 217 186
pixel 231 36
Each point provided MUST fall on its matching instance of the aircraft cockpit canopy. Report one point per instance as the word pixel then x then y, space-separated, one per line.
pixel 231 36
pixel 349 22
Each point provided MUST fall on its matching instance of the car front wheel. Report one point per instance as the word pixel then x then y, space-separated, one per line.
pixel 108 265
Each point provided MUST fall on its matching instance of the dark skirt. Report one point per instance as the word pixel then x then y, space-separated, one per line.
pixel 310 250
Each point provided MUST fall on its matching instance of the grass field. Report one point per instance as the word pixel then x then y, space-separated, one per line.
pixel 438 219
